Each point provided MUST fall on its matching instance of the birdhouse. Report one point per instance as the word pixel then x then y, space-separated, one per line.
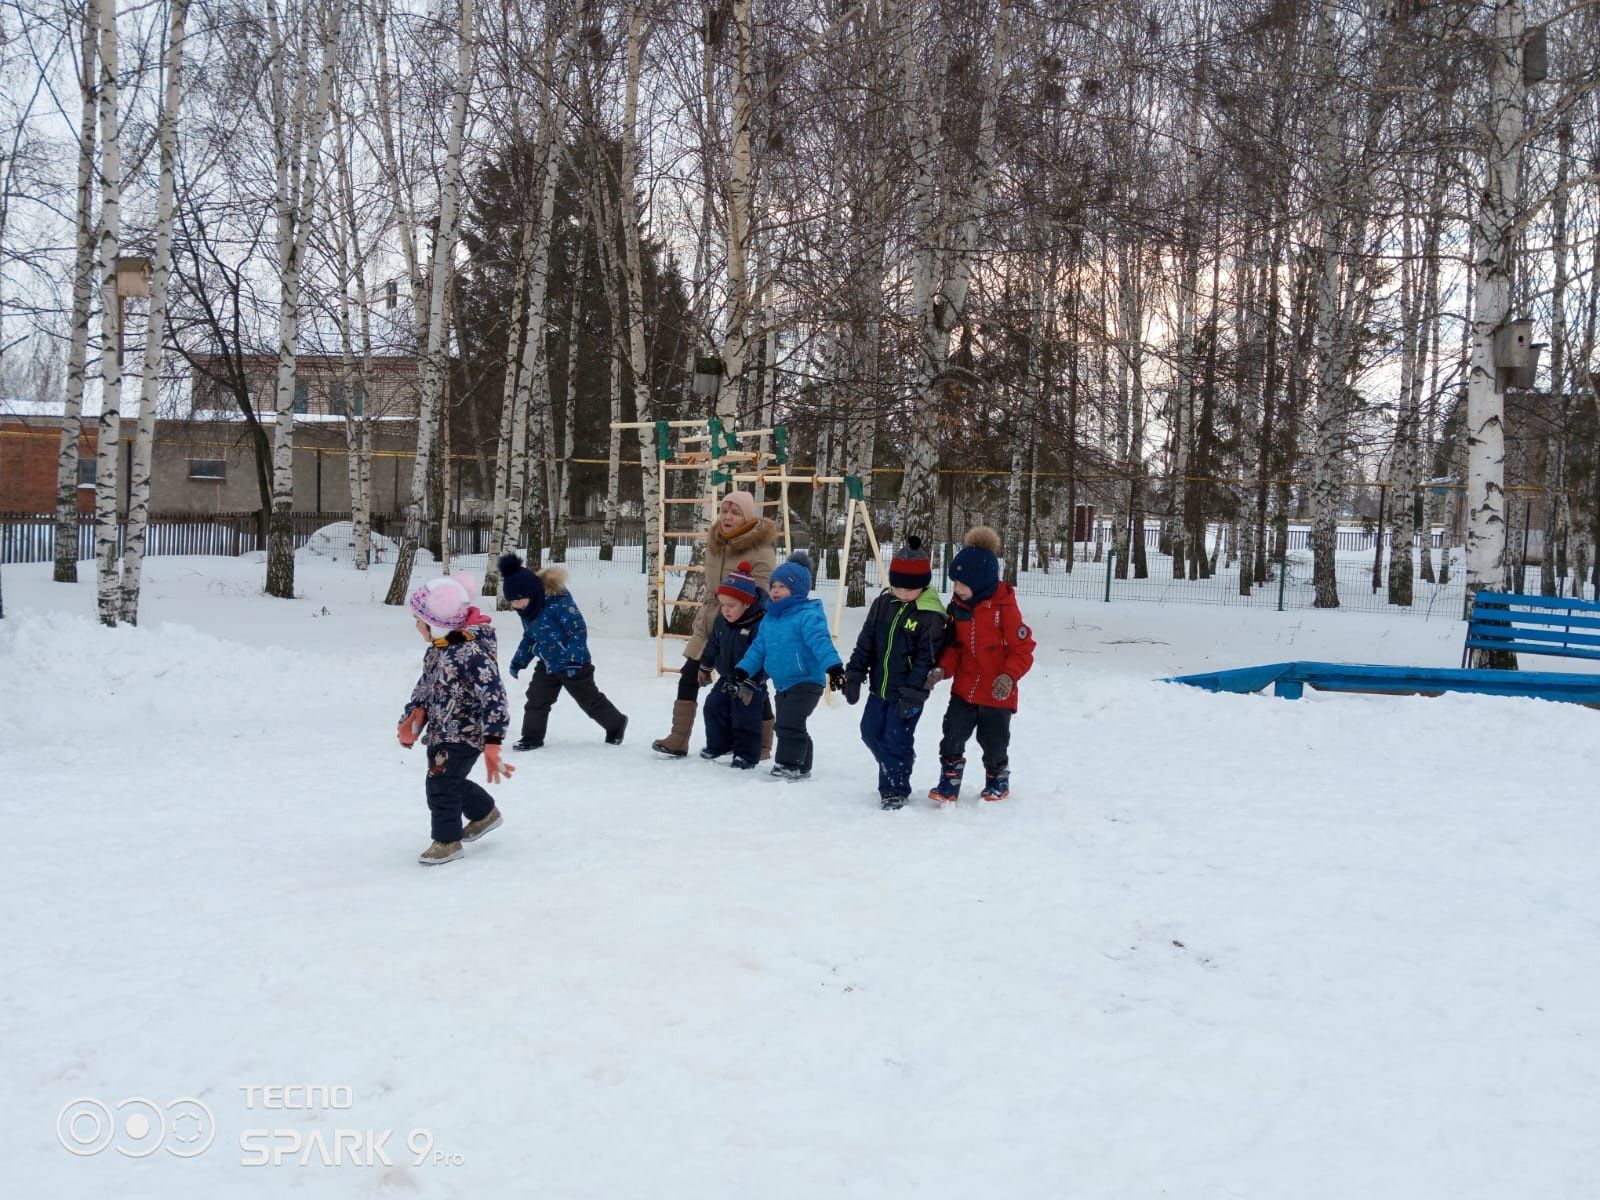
pixel 1535 56
pixel 133 277
pixel 1513 345
pixel 1524 377
pixel 707 376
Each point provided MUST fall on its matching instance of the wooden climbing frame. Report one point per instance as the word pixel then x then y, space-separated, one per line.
pixel 718 453
pixel 855 506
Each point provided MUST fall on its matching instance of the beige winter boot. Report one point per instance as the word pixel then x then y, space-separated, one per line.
pixel 676 743
pixel 440 852
pixel 476 829
pixel 766 739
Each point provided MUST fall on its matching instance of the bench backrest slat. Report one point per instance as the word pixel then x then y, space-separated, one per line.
pixel 1489 630
pixel 1503 619
pixel 1479 643
pixel 1552 625
pixel 1516 601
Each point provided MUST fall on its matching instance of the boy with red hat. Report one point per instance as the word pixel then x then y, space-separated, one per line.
pixel 733 718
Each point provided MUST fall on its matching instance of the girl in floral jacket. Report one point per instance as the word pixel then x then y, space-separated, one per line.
pixel 458 708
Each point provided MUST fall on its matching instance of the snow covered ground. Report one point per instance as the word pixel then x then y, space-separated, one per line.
pixel 1214 946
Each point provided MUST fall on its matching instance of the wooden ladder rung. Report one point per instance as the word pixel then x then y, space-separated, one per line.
pixel 682 567
pixel 678 637
pixel 682 500
pixel 682 603
pixel 699 533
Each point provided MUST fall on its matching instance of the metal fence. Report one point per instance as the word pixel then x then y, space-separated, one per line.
pixel 1089 573
pixel 30 537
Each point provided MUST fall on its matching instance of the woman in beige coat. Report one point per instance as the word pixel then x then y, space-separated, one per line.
pixel 739 534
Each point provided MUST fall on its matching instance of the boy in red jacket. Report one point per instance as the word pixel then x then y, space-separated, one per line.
pixel 987 649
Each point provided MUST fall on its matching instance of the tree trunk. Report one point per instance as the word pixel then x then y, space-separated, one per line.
pixel 299 154
pixel 156 327
pixel 1434 224
pixel 633 281
pixel 1485 429
pixel 941 278
pixel 1556 443
pixel 1403 468
pixel 569 398
pixel 83 280
pixel 108 585
pixel 433 369
pixel 513 424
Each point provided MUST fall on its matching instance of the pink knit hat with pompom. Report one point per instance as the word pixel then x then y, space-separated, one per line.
pixel 744 502
pixel 445 603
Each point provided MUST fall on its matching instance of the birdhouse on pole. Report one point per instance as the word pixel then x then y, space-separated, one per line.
pixel 133 277
pixel 1516 358
pixel 707 376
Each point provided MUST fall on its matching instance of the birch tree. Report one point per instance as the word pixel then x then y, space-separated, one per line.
pixel 298 135
pixel 942 276
pixel 156 327
pixel 632 270
pixel 108 584
pixel 1495 229
pixel 83 274
pixel 433 367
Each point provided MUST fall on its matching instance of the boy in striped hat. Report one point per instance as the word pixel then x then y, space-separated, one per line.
pixel 899 645
pixel 733 716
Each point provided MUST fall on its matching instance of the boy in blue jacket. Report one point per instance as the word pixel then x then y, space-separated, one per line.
pixel 898 646
pixel 555 634
pixel 733 718
pixel 796 650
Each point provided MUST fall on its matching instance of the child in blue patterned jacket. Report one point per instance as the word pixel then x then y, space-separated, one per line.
pixel 554 632
pixel 461 703
pixel 797 652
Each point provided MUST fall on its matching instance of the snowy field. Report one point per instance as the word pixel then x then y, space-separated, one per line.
pixel 1214 946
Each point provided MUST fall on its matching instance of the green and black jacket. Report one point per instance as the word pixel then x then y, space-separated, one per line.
pixel 899 645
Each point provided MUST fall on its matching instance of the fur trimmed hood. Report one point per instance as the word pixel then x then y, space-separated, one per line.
pixel 554 579
pixel 762 533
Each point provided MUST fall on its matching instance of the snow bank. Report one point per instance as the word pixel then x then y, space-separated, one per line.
pixel 1215 946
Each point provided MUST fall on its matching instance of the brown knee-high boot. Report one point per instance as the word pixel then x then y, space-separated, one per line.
pixel 766 739
pixel 676 743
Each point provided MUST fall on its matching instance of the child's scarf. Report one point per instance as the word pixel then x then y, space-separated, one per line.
pixel 776 608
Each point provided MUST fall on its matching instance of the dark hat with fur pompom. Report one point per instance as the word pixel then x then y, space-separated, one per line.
pixel 519 583
pixel 978 564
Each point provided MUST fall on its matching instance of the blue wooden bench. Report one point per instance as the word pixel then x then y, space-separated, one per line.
pixel 1501 621
pixel 1533 625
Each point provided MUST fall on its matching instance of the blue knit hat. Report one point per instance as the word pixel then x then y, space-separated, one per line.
pixel 795 575
pixel 977 564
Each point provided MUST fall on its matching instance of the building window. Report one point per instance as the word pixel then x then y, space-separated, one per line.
pixel 208 468
pixel 302 398
pixel 86 468
pixel 391 294
pixel 336 399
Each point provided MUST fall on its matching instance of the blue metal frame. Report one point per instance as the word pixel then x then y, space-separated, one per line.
pixel 1290 679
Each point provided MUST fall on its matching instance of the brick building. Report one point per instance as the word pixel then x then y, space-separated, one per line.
pixel 392 389
pixel 28 450
pixel 204 466
pixel 207 463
